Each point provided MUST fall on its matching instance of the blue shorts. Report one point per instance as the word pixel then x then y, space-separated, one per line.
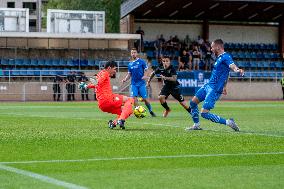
pixel 137 91
pixel 208 95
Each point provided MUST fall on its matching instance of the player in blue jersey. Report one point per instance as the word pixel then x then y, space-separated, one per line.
pixel 136 71
pixel 210 92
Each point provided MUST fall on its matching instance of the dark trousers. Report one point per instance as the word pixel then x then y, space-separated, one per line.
pixel 84 92
pixel 56 92
pixel 70 91
pixel 283 92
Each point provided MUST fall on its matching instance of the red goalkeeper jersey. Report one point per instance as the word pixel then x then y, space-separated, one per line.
pixel 103 88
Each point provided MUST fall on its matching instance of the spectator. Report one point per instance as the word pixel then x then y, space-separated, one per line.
pixel 176 44
pixel 208 59
pixel 187 41
pixel 184 60
pixel 138 42
pixel 199 40
pixel 158 47
pixel 70 86
pixel 84 91
pixel 196 56
pixel 56 87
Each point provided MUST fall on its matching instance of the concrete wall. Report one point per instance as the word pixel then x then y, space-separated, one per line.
pixel 229 33
pixel 36 91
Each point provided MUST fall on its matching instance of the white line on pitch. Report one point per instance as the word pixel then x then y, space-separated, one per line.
pixel 41 177
pixel 144 157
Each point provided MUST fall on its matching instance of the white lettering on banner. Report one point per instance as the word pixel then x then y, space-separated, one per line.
pixel 191 82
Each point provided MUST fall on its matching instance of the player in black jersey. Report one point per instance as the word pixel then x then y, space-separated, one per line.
pixel 170 85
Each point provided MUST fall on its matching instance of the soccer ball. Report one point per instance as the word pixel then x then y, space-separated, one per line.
pixel 140 112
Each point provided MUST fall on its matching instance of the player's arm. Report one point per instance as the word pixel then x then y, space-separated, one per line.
pixel 150 78
pixel 126 77
pixel 235 68
pixel 173 78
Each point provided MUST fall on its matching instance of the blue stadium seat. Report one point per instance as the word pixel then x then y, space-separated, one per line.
pixel 55 62
pixel 4 62
pixel 11 62
pixel 70 62
pixel 34 62
pixel 62 62
pixel 48 62
pixel 154 63
pixel 27 62
pixel 30 72
pixel 19 62
pixel 37 71
pixel 83 63
pixel 23 71
pixel 41 62
pixel 91 62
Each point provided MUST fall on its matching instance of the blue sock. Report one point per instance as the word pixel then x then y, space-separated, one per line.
pixel 149 107
pixel 194 111
pixel 214 118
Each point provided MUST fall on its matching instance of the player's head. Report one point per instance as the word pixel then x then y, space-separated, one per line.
pixel 166 61
pixel 200 76
pixel 111 66
pixel 133 53
pixel 217 47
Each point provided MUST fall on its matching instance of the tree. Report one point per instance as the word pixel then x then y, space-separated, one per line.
pixel 111 8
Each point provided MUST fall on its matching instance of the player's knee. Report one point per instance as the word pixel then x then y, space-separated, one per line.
pixel 192 104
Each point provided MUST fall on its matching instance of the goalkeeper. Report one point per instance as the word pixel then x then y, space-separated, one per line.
pixel 170 85
pixel 108 101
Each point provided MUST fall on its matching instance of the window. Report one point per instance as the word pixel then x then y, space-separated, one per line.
pixel 10 4
pixel 30 6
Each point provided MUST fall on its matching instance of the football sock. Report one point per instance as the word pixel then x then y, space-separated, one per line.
pixel 127 109
pixel 149 106
pixel 213 118
pixel 165 105
pixel 194 111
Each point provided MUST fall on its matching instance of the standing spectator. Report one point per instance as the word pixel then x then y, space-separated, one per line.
pixel 196 55
pixel 208 59
pixel 141 32
pixel 56 87
pixel 187 42
pixel 158 47
pixel 84 91
pixel 199 40
pixel 282 84
pixel 184 61
pixel 70 86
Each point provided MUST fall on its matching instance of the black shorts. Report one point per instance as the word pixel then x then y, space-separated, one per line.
pixel 174 91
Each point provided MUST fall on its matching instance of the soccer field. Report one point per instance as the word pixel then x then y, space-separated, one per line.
pixel 68 145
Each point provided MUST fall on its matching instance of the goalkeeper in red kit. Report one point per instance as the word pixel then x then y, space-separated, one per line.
pixel 108 101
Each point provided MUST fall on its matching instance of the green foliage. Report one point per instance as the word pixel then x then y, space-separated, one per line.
pixel 111 8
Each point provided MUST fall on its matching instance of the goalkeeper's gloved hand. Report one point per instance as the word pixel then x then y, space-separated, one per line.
pixel 82 86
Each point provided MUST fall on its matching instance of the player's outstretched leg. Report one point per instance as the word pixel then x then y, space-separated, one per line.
pixel 217 119
pixel 195 116
pixel 126 112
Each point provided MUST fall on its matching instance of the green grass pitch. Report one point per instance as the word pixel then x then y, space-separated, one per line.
pixel 68 145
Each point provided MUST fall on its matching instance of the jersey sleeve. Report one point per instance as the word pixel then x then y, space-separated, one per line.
pixel 229 60
pixel 144 64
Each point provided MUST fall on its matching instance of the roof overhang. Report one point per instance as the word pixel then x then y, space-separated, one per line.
pixel 211 10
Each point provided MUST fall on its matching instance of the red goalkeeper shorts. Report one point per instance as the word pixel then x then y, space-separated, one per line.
pixel 112 105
